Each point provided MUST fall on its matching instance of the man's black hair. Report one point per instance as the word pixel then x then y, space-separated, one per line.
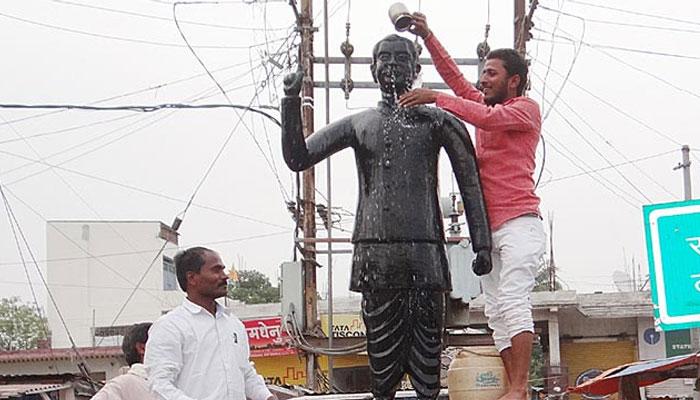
pixel 395 38
pixel 191 259
pixel 514 64
pixel 137 333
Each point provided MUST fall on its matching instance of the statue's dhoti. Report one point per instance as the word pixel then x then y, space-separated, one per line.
pixel 404 332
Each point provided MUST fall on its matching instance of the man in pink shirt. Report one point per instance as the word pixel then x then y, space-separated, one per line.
pixel 507 132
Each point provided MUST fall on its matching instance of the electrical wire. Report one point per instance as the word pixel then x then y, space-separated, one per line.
pixel 127 134
pixel 627 24
pixel 158 255
pixel 159 18
pixel 632 12
pixel 549 65
pixel 628 162
pixel 149 192
pixel 568 72
pixel 138 285
pixel 620 48
pixel 233 130
pixel 616 108
pixel 70 129
pixel 90 151
pixel 82 364
pixel 607 142
pixel 693 153
pixel 134 92
pixel 625 63
pixel 299 341
pixel 150 251
pixel 89 141
pixel 600 154
pixel 68 238
pixel 596 176
pixel 140 108
pixel 39 312
pixel 75 192
pixel 124 39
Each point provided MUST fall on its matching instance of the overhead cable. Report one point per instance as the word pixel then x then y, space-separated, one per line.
pixel 134 92
pixel 634 67
pixel 72 189
pixel 609 143
pixel 157 17
pixel 235 127
pixel 77 245
pixel 684 21
pixel 149 251
pixel 125 39
pixel 145 191
pixel 616 108
pixel 628 162
pixel 599 153
pixel 82 364
pixel 140 108
pixel 152 122
pixel 596 176
pixel 619 23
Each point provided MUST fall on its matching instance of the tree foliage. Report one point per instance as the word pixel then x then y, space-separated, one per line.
pixel 21 326
pixel 253 287
pixel 542 279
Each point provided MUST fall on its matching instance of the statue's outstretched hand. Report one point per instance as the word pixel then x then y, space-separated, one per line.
pixel 482 263
pixel 292 83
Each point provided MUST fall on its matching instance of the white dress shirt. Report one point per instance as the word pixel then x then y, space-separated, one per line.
pixel 132 385
pixel 192 354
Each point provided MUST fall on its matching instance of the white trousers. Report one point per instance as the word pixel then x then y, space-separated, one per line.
pixel 518 248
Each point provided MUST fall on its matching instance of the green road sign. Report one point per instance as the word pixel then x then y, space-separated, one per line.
pixel 673 251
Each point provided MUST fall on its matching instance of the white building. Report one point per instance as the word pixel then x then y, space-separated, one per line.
pixel 96 268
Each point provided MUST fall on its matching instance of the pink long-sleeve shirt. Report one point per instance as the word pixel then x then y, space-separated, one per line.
pixel 506 138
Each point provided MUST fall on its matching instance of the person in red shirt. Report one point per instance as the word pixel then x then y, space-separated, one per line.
pixel 507 132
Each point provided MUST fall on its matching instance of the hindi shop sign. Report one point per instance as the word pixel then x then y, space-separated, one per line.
pixel 266 337
pixel 673 251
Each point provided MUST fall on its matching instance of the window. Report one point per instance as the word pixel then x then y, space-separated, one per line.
pixel 169 277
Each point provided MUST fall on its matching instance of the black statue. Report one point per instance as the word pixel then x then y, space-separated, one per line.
pixel 399 261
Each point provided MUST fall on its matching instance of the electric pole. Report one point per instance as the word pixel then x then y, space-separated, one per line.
pixel 551 268
pixel 522 24
pixel 308 184
pixel 519 26
pixel 688 195
pixel 685 165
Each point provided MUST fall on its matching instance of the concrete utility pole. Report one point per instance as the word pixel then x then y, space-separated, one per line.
pixel 552 268
pixel 687 189
pixel 329 218
pixel 519 27
pixel 309 184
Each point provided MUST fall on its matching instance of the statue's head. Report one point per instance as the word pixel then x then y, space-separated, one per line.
pixel 394 64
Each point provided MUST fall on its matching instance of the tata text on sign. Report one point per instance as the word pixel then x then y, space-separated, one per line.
pixel 673 251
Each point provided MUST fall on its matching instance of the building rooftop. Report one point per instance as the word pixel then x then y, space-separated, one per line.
pixel 17 356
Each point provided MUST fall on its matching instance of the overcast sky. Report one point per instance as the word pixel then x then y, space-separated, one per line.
pixel 622 108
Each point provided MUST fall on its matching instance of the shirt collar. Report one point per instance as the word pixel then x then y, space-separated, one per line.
pixel 139 370
pixel 512 99
pixel 196 309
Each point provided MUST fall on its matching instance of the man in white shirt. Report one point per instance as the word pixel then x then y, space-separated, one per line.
pixel 133 384
pixel 199 351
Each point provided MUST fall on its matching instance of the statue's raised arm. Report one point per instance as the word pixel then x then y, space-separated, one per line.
pixel 300 154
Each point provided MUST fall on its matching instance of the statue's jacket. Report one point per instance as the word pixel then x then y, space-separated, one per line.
pixel 399 234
